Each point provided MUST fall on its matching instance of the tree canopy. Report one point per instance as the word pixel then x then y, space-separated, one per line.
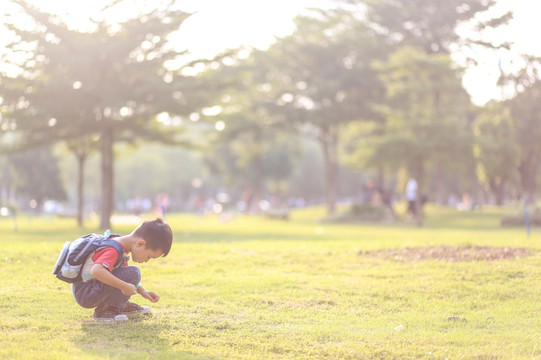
pixel 108 84
pixel 376 83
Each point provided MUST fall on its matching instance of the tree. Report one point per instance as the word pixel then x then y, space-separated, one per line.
pixel 526 112
pixel 81 148
pixel 174 169
pixel 431 25
pixel 109 83
pixel 426 113
pixel 327 81
pixel 36 175
pixel 494 153
pixel 431 28
pixel 253 131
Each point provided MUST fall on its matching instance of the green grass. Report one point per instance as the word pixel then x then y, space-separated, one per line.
pixel 253 288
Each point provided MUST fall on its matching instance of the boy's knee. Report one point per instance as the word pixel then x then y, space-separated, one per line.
pixel 136 273
pixel 130 274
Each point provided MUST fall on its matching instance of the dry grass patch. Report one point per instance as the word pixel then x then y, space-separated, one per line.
pixel 448 253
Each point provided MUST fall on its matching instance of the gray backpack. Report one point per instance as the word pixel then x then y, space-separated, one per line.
pixel 74 254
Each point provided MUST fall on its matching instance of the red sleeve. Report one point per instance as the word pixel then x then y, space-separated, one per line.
pixel 106 257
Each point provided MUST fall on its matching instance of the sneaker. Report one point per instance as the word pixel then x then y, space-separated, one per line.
pixel 132 309
pixel 107 314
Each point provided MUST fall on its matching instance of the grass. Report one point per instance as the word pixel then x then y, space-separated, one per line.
pixel 253 288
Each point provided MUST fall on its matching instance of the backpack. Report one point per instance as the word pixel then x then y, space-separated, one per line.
pixel 74 254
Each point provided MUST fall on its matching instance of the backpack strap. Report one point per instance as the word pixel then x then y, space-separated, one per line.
pixel 107 242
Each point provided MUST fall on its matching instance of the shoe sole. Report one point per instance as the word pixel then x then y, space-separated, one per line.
pixel 145 310
pixel 118 318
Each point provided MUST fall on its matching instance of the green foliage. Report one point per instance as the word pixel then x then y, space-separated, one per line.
pixel 426 112
pixel 135 165
pixel 307 180
pixel 254 288
pixel 324 66
pixel 431 24
pixel 496 156
pixel 88 81
pixel 36 175
pixel 244 153
pixel 374 83
pixel 526 113
pixel 108 84
pixel 325 81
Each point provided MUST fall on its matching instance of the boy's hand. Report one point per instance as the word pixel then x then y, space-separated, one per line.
pixel 129 289
pixel 100 273
pixel 150 295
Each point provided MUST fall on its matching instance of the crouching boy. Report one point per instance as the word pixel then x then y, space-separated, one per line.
pixel 109 287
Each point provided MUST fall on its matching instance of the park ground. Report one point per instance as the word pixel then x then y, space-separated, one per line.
pixel 247 287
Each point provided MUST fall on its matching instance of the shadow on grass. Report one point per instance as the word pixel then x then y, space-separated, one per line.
pixel 133 339
pixel 465 220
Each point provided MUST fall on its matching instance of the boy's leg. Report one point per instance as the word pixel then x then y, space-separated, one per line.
pixel 94 293
pixel 121 303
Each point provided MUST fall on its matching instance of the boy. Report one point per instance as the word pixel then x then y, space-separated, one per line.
pixel 109 289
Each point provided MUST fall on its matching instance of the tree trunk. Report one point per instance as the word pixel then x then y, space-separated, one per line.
pixel 497 187
pixel 107 175
pixel 81 159
pixel 329 140
pixel 258 179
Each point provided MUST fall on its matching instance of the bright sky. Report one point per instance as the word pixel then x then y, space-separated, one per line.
pixel 523 32
pixel 218 24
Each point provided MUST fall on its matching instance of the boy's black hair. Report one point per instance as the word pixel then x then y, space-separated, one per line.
pixel 157 234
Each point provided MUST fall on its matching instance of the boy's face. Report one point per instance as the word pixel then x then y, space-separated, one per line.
pixel 140 252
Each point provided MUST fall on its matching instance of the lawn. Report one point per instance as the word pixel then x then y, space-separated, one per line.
pixel 254 288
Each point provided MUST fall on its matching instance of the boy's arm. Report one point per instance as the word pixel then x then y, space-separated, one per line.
pixel 150 295
pixel 100 273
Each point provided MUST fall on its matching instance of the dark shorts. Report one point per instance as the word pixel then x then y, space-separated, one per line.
pixel 93 292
